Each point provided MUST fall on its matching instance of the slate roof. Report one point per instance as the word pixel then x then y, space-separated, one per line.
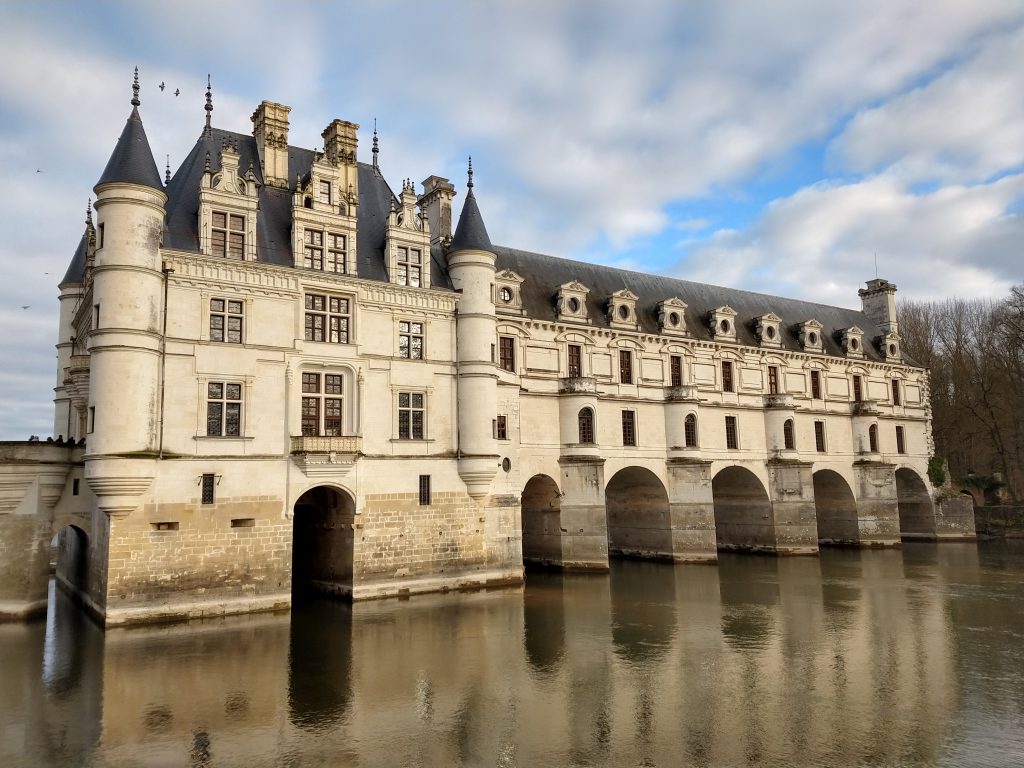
pixel 76 269
pixel 132 159
pixel 470 234
pixel 545 274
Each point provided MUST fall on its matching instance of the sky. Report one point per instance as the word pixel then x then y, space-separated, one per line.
pixel 781 147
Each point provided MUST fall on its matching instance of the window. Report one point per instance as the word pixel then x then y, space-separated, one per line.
pixel 629 427
pixel 100 239
pixel 690 430
pixel 858 389
pixel 226 320
pixel 873 438
pixel 586 425
pixel 575 364
pixel 313 251
pixel 732 438
pixel 625 366
pixel 336 253
pixel 896 392
pixel 901 441
pixel 208 482
pixel 409 265
pixel 410 340
pixel 773 380
pixel 95 315
pixel 74 487
pixel 325 192
pixel 819 436
pixel 92 418
pixel 507 353
pixel 223 409
pixel 675 370
pixel 227 237
pixel 322 399
pixel 506 295
pixel 327 318
pixel 788 435
pixel 816 384
pixel 501 428
pixel 727 383
pixel 424 489
pixel 410 415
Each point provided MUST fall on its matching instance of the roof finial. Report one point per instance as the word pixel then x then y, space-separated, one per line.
pixel 88 212
pixel 470 182
pixel 376 147
pixel 209 106
pixel 167 173
pixel 135 89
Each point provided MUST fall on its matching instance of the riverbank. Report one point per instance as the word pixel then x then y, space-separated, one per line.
pixel 1005 522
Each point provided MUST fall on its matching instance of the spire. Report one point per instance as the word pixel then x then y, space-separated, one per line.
pixel 209 107
pixel 88 212
pixel 132 159
pixel 76 269
pixel 376 147
pixel 470 234
pixel 167 171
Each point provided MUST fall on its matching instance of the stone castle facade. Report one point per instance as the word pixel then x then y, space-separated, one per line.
pixel 275 373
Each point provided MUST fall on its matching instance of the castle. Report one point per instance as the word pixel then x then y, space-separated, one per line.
pixel 276 374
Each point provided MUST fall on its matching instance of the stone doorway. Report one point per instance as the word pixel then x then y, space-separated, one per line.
pixel 835 509
pixel 743 512
pixel 69 553
pixel 639 524
pixel 323 542
pixel 542 522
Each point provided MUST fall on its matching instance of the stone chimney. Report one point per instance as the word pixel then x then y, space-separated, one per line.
pixel 436 204
pixel 879 303
pixel 270 127
pixel 340 142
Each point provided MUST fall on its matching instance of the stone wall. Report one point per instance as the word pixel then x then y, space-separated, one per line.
pixel 1003 520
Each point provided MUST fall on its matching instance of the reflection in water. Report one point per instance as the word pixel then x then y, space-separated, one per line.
pixel 905 657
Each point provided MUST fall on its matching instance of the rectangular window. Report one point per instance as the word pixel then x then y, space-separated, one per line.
pixel 773 380
pixel 166 526
pixel 101 238
pixel 727 382
pixel 325 192
pixel 507 353
pixel 575 362
pixel 92 418
pixel 74 487
pixel 327 318
pixel 625 366
pixel 223 409
pixel 424 489
pixel 675 370
pixel 208 483
pixel 732 438
pixel 501 428
pixel 816 384
pixel 337 254
pixel 322 404
pixel 629 427
pixel 901 441
pixel 95 315
pixel 858 390
pixel 409 266
pixel 313 249
pixel 410 415
pixel 227 236
pixel 410 340
pixel 896 392
pixel 226 320
pixel 819 436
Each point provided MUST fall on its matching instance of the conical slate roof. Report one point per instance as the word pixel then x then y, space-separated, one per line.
pixel 470 234
pixel 76 269
pixel 132 159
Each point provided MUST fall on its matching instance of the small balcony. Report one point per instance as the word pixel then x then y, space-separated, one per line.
pixel 682 393
pixel 778 400
pixel 577 385
pixel 343 444
pixel 865 408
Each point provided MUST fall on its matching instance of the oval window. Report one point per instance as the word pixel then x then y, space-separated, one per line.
pixel 574 304
pixel 506 295
pixel 854 344
pixel 769 332
pixel 812 338
pixel 673 318
pixel 623 311
pixel 725 326
pixel 506 464
pixel 892 350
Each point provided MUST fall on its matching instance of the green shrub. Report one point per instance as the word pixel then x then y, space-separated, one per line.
pixel 937 471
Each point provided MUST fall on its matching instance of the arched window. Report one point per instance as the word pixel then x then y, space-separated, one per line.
pixel 690 431
pixel 873 438
pixel 789 435
pixel 586 421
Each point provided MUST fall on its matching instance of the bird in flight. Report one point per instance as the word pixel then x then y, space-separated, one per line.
pixel 162 85
pixel 177 91
pixel 25 306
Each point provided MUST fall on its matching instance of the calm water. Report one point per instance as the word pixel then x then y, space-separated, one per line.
pixel 912 657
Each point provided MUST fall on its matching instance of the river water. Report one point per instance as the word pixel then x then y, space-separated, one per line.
pixel 903 657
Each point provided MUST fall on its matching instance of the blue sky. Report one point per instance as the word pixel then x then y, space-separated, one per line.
pixel 780 147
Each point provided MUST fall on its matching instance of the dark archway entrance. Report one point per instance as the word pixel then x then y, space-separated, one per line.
pixel 743 512
pixel 542 522
pixel 70 558
pixel 322 542
pixel 836 510
pixel 917 514
pixel 639 524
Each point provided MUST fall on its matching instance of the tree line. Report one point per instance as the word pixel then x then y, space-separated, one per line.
pixel 975 351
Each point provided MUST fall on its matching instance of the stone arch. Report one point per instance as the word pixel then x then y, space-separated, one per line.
pixel 835 508
pixel 323 542
pixel 70 558
pixel 542 522
pixel 917 513
pixel 744 518
pixel 639 524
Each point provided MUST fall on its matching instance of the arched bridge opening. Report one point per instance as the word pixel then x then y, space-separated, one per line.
pixel 917 513
pixel 836 510
pixel 639 524
pixel 743 511
pixel 323 542
pixel 542 522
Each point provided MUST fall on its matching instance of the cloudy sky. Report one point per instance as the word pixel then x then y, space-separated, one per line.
pixel 779 146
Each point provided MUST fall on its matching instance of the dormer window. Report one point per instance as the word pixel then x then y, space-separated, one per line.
pixel 227 235
pixel 409 266
pixel 622 310
pixel 325 192
pixel 890 348
pixel 671 317
pixel 810 336
pixel 508 292
pixel 768 330
pixel 572 302
pixel 722 323
pixel 853 342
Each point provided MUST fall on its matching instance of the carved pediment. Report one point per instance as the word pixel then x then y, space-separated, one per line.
pixel 722 322
pixel 671 314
